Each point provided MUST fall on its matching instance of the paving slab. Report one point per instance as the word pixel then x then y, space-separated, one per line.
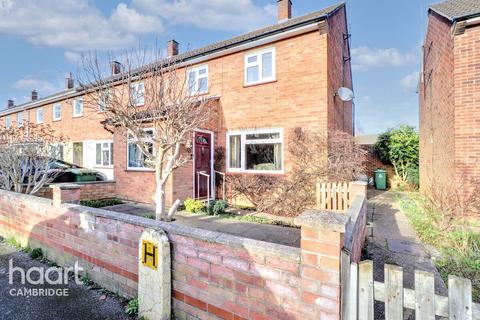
pixel 264 232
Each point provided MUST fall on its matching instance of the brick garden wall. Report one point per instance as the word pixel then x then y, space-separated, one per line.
pixel 90 190
pixel 214 275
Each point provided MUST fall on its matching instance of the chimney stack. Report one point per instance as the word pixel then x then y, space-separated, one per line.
pixel 172 48
pixel 69 82
pixel 284 10
pixel 10 103
pixel 34 95
pixel 116 67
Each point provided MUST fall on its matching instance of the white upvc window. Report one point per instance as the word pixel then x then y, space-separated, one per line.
pixel 8 122
pixel 256 150
pixel 136 159
pixel 103 100
pixel 57 112
pixel 260 66
pixel 78 107
pixel 39 115
pixel 137 93
pixel 20 119
pixel 198 80
pixel 104 153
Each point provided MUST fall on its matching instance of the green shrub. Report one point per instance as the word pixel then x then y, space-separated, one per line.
pixel 36 253
pixel 193 206
pixel 100 203
pixel 219 207
pixel 132 308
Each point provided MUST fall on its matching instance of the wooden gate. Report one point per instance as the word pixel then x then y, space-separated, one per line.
pixel 360 291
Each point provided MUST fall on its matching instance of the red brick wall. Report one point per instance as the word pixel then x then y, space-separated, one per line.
pixel 467 106
pixel 437 107
pixel 212 273
pixel 89 191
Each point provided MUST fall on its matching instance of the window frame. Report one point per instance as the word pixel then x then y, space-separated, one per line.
pixel 54 117
pixel 8 122
pixel 77 115
pixel 110 149
pixel 197 78
pixel 259 63
pixel 244 142
pixel 37 113
pixel 136 85
pixel 130 140
pixel 20 119
pixel 103 98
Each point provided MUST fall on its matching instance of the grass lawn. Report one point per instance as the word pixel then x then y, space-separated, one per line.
pixel 459 243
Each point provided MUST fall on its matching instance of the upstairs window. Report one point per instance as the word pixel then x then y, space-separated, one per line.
pixel 57 112
pixel 20 119
pixel 258 151
pixel 77 107
pixel 260 66
pixel 137 93
pixel 198 80
pixel 8 122
pixel 39 115
pixel 104 154
pixel 103 100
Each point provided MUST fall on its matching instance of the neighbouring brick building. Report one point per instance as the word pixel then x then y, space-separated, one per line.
pixel 450 96
pixel 266 84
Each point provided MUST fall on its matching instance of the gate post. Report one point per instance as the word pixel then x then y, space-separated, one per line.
pixel 322 239
pixel 154 276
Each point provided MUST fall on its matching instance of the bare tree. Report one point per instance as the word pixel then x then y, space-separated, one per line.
pixel 26 157
pixel 157 96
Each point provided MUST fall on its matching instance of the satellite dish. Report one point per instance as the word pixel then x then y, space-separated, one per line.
pixel 345 94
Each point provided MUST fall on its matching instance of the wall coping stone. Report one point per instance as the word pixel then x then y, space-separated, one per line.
pixel 251 245
pixel 324 220
pixel 66 186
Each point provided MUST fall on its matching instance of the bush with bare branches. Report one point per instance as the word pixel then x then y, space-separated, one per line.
pixel 26 155
pixel 166 105
pixel 315 157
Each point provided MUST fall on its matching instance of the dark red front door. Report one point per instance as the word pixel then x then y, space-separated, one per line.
pixel 203 163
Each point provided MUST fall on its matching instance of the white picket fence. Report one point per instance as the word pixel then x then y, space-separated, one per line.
pixel 333 196
pixel 361 291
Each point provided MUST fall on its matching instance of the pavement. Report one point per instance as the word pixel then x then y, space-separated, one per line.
pixel 81 302
pixel 392 240
pixel 263 232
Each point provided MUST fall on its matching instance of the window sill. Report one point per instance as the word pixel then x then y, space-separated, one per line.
pixel 102 167
pixel 139 170
pixel 263 173
pixel 77 116
pixel 259 83
pixel 56 120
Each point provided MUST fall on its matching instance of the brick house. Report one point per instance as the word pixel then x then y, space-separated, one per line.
pixel 265 84
pixel 449 94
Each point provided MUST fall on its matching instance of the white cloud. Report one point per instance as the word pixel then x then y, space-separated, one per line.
pixel 73 57
pixel 364 58
pixel 232 15
pixel 75 25
pixel 43 87
pixel 410 81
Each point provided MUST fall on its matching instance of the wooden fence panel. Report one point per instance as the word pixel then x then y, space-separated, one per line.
pixel 393 292
pixel 459 298
pixel 365 291
pixel 427 305
pixel 424 295
pixel 332 196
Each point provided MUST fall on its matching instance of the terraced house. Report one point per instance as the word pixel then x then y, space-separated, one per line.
pixel 266 84
pixel 450 97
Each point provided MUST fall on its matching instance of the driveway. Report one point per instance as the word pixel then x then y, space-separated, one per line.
pixel 81 302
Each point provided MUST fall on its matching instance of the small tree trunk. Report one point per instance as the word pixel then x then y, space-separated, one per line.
pixel 159 198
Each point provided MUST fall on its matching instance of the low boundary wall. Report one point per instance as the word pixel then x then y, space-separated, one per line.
pixel 214 275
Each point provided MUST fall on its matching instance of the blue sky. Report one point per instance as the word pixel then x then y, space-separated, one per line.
pixel 38 52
